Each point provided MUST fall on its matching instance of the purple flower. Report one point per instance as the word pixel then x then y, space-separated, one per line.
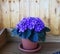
pixel 30 23
pixel 39 25
pixel 22 25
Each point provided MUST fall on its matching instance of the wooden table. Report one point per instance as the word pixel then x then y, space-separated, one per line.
pixel 47 48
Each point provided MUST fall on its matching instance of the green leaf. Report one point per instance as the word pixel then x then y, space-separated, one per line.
pixel 46 29
pixel 42 33
pixel 14 32
pixel 34 37
pixel 26 34
pixel 42 36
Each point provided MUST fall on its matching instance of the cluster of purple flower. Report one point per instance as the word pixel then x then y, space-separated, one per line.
pixel 32 23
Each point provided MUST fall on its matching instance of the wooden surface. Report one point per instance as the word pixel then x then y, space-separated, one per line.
pixel 47 48
pixel 12 11
pixel 2 38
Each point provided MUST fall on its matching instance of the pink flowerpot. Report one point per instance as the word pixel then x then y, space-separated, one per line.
pixel 27 44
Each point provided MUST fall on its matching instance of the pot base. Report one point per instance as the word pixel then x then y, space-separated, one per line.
pixel 20 47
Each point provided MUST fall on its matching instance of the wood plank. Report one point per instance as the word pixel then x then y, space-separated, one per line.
pixel 25 8
pixel 0 12
pixel 1 25
pixel 44 11
pixel 21 10
pixel 32 8
pixel 37 6
pixel 14 12
pixel 5 14
pixel 54 17
pixel 58 15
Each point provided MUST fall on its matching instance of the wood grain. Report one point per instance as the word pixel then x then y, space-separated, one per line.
pixel 12 11
pixel 1 20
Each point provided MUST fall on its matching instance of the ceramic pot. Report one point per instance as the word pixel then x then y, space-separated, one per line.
pixel 27 44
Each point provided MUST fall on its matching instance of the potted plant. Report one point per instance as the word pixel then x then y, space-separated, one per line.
pixel 31 30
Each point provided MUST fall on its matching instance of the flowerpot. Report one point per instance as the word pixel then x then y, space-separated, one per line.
pixel 27 44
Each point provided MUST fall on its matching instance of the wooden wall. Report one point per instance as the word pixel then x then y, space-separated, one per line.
pixel 11 11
